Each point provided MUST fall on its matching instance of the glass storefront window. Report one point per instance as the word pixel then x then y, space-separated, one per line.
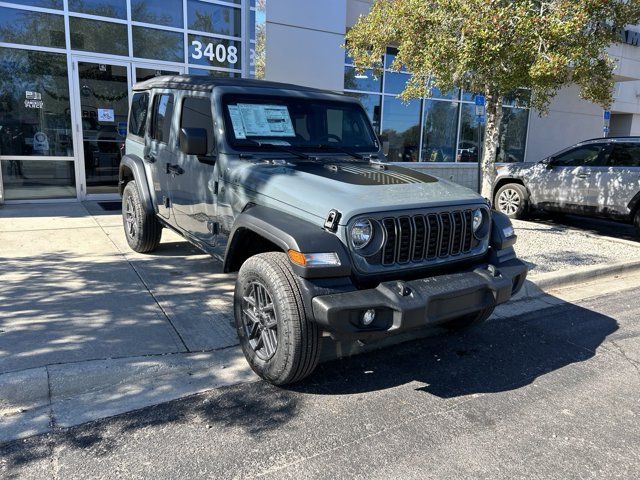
pixel 365 81
pixel 31 28
pixel 104 8
pixel 468 141
pixel 440 126
pixel 214 52
pixel 395 83
pixel 213 73
pixel 35 117
pixel 213 18
pixel 32 179
pixel 158 12
pixel 513 135
pixel 157 44
pixel 98 36
pixel 371 104
pixel 401 124
pixel 54 4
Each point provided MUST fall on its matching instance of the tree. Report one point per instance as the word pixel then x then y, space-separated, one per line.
pixel 497 48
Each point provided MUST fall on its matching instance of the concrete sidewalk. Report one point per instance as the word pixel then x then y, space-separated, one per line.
pixel 89 328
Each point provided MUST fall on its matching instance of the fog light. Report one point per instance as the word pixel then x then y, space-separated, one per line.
pixel 368 317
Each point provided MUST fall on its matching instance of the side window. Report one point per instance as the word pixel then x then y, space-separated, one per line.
pixel 138 114
pixel 587 156
pixel 196 113
pixel 625 155
pixel 163 111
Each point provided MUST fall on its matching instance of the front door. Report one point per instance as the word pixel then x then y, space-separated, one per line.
pixel 102 95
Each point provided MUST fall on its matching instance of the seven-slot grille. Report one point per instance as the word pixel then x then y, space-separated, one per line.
pixel 426 237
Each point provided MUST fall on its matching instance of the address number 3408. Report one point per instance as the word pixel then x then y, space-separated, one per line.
pixel 218 52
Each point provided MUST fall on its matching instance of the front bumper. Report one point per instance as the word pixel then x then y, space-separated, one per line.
pixel 405 305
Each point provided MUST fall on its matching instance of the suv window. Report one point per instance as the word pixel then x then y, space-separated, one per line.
pixel 587 156
pixel 163 111
pixel 196 113
pixel 625 155
pixel 138 114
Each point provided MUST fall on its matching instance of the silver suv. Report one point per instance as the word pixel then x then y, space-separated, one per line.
pixel 599 177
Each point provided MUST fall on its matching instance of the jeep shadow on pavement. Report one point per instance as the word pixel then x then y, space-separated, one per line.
pixel 289 187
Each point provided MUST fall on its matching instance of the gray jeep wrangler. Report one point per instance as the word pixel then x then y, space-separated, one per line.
pixel 289 187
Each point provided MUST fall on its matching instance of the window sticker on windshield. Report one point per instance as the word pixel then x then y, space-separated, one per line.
pixel 266 120
pixel 236 122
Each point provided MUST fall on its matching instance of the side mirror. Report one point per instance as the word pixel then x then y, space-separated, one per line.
pixel 385 144
pixel 193 141
pixel 548 163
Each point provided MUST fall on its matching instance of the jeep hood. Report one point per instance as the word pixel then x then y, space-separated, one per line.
pixel 352 188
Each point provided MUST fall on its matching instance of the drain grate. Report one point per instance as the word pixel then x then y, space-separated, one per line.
pixel 110 206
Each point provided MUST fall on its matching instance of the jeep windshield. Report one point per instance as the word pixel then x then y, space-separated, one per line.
pixel 258 122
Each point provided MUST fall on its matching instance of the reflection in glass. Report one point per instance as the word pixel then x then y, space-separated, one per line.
pixel 158 12
pixel 371 104
pixel 104 8
pixel 98 36
pixel 54 4
pixel 104 103
pixel 212 18
pixel 31 28
pixel 468 142
pixel 401 124
pixel 31 179
pixel 143 74
pixel 213 73
pixel 395 82
pixel 157 44
pixel 513 135
pixel 439 131
pixel 214 52
pixel 365 81
pixel 35 116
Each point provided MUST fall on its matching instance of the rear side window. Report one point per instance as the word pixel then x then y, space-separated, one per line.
pixel 138 114
pixel 625 155
pixel 163 112
pixel 587 156
pixel 196 113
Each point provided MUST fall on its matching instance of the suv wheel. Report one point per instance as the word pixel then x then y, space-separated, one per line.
pixel 142 228
pixel 468 321
pixel 278 340
pixel 512 200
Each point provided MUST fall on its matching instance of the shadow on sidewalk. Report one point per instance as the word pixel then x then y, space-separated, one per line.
pixel 501 355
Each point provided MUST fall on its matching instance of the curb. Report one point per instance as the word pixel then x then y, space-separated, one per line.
pixel 36 400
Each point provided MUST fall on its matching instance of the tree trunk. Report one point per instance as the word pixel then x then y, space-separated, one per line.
pixel 490 147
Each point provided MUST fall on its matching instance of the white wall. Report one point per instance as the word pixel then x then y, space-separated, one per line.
pixel 304 39
pixel 569 121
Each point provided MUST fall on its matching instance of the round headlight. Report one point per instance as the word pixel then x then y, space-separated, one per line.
pixel 361 233
pixel 478 218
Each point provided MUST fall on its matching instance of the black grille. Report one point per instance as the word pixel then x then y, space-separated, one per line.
pixel 427 237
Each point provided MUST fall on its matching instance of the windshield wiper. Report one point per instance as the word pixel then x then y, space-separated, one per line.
pixel 281 148
pixel 346 151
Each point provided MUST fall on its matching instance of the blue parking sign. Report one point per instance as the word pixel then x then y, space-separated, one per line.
pixel 480 100
pixel 606 115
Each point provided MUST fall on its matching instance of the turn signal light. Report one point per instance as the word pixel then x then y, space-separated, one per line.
pixel 328 259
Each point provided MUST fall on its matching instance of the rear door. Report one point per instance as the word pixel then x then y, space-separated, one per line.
pixel 194 190
pixel 161 152
pixel 565 183
pixel 619 181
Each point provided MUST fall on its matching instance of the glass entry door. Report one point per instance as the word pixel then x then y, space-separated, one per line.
pixel 102 93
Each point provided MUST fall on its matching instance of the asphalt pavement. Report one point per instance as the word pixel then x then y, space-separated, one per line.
pixel 549 394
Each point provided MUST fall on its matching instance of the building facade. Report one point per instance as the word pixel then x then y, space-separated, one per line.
pixel 67 67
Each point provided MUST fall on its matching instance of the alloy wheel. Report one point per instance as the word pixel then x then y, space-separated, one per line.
pixel 259 320
pixel 130 218
pixel 509 201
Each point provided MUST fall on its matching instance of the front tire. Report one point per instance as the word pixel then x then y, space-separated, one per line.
pixel 512 200
pixel 142 228
pixel 281 344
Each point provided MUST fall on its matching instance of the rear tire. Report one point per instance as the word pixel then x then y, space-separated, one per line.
pixel 280 342
pixel 512 200
pixel 468 321
pixel 142 228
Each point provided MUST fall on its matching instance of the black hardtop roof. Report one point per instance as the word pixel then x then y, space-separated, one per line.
pixel 205 83
pixel 630 139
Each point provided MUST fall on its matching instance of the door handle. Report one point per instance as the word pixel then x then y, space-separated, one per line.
pixel 174 169
pixel 583 175
pixel 150 158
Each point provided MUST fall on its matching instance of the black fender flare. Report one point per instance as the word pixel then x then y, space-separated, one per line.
pixel 289 233
pixel 136 165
